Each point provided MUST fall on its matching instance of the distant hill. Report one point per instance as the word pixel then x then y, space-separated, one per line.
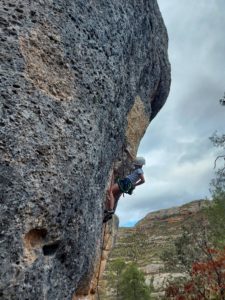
pixel 145 242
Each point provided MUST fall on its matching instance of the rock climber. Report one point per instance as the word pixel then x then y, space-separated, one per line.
pixel 127 184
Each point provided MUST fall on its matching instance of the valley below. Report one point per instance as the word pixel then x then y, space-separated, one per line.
pixel 147 241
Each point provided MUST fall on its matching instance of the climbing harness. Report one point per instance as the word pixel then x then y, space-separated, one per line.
pixel 125 186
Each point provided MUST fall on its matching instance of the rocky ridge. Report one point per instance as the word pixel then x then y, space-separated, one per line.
pixel 80 82
pixel 145 242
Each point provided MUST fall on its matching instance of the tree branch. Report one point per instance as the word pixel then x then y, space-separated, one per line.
pixel 218 157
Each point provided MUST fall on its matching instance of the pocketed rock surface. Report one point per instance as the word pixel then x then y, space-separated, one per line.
pixel 79 83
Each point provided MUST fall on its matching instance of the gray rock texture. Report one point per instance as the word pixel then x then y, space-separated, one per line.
pixel 80 81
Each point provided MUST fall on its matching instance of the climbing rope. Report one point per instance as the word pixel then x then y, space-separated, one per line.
pixel 103 234
pixel 100 264
pixel 104 228
pixel 123 165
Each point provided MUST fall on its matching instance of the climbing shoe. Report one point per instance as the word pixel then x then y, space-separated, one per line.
pixel 110 212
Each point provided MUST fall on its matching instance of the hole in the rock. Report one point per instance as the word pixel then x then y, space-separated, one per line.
pixel 50 249
pixel 19 10
pixel 35 237
pixel 62 258
pixel 68 121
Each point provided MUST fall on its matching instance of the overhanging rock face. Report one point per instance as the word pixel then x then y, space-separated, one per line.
pixel 80 82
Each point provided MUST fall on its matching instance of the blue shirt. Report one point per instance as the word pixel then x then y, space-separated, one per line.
pixel 135 175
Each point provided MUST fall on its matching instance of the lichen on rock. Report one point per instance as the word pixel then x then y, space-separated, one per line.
pixel 46 65
pixel 137 123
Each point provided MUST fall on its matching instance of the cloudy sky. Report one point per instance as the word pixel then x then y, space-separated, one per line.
pixel 180 157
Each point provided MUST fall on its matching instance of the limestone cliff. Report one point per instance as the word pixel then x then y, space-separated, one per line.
pixel 90 291
pixel 80 82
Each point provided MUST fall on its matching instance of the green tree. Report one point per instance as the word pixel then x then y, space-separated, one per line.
pixel 216 214
pixel 218 183
pixel 200 251
pixel 216 218
pixel 189 247
pixel 219 142
pixel 116 268
pixel 132 285
pixel 222 100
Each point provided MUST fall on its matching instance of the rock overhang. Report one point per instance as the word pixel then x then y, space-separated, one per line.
pixel 75 77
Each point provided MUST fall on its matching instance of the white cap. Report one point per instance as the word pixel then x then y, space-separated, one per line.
pixel 140 161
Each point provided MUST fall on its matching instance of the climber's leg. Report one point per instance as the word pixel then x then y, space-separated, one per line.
pixel 112 193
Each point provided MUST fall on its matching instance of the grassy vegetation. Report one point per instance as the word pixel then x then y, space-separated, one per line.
pixel 146 243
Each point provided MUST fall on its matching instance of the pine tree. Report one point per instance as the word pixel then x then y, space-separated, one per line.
pixel 201 248
pixel 116 268
pixel 132 285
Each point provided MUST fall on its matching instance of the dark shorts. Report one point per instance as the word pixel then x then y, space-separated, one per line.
pixel 125 185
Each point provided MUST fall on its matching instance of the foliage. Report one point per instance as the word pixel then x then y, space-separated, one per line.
pixel 216 214
pixel 116 268
pixel 134 246
pixel 132 285
pixel 128 281
pixel 222 100
pixel 219 142
pixel 204 264
pixel 188 247
pixel 200 251
pixel 170 259
pixel 207 279
pixel 138 242
pixel 218 183
pixel 216 218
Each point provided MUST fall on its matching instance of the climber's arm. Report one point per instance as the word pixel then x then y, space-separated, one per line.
pixel 141 180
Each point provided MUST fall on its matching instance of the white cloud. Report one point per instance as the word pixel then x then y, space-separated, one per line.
pixel 176 145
